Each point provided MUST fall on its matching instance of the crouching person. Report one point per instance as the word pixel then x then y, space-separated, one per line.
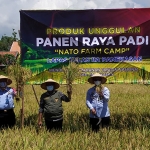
pixel 51 105
pixel 7 115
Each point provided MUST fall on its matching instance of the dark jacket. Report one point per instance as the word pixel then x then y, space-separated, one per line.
pixel 51 105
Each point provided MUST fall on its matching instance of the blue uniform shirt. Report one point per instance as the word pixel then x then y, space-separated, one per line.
pixel 7 99
pixel 100 105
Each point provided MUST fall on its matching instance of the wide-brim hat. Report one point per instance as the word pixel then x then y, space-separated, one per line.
pixel 103 79
pixel 8 81
pixel 56 85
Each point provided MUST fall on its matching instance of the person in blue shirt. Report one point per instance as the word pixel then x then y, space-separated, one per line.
pixel 7 115
pixel 97 99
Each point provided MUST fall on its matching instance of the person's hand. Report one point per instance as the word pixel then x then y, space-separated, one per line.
pixel 93 111
pixel 15 91
pixel 100 93
pixel 40 124
pixel 69 94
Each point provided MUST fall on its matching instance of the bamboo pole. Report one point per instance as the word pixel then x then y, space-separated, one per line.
pixel 22 109
pixel 35 94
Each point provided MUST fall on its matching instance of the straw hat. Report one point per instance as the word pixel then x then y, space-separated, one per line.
pixel 103 79
pixel 8 81
pixel 56 85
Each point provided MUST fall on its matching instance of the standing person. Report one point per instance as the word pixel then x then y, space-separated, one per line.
pixel 51 105
pixel 97 101
pixel 7 115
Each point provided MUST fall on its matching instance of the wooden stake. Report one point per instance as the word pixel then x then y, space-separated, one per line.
pixel 22 110
pixel 35 94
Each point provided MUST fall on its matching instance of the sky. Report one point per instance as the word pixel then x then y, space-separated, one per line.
pixel 10 16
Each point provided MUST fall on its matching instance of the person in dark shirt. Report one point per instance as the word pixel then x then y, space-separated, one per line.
pixel 51 105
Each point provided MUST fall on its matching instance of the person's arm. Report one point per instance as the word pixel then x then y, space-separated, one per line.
pixel 41 109
pixel 14 92
pixel 105 94
pixel 65 97
pixel 40 118
pixel 69 95
pixel 88 103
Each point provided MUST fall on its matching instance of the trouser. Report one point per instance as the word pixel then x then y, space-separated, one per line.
pixel 7 118
pixel 57 125
pixel 95 125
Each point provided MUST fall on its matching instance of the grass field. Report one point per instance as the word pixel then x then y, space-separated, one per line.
pixel 130 122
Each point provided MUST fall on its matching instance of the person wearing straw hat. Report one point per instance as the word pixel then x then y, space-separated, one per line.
pixel 7 94
pixel 51 105
pixel 97 99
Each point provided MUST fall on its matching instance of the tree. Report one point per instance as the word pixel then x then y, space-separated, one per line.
pixel 1 59
pixel 8 59
pixel 14 35
pixel 6 41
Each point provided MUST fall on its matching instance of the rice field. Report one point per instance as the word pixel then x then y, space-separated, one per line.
pixel 130 122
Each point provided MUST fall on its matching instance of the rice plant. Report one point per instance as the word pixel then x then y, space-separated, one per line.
pixel 20 75
pixel 71 73
pixel 130 122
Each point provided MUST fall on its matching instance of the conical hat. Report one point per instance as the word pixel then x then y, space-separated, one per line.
pixel 56 85
pixel 8 81
pixel 103 79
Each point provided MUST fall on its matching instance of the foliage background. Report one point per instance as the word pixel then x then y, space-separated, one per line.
pixel 6 41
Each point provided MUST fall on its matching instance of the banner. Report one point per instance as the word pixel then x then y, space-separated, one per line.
pixel 113 42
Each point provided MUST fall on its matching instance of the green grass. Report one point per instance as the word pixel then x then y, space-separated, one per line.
pixel 130 122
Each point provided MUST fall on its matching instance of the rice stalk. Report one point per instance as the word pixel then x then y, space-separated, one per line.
pixel 71 73
pixel 20 75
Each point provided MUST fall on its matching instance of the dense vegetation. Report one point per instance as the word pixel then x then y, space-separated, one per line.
pixel 6 41
pixel 130 115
